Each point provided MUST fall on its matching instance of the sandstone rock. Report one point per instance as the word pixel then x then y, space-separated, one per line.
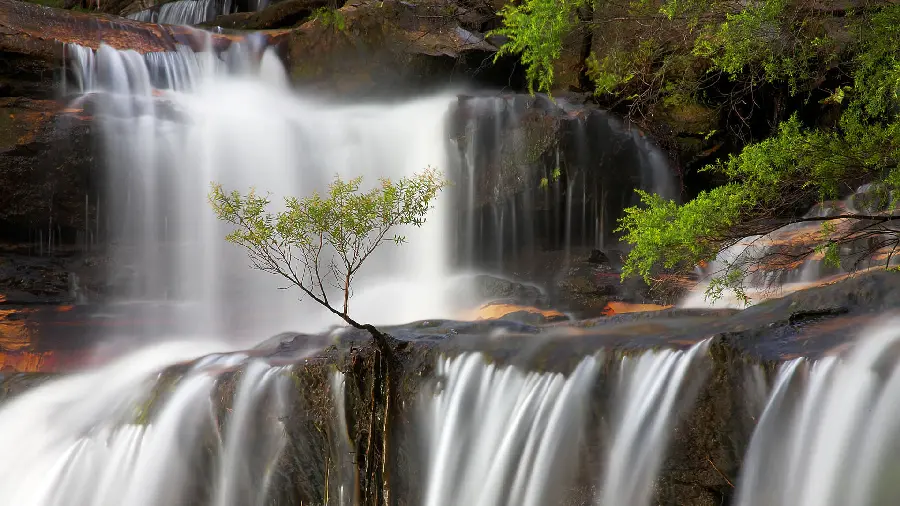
pixel 279 15
pixel 46 160
pixel 511 292
pixel 531 317
pixel 381 46
pixel 37 31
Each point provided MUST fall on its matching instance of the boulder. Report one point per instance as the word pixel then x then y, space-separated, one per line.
pixel 492 288
pixel 279 15
pixel 374 46
pixel 598 257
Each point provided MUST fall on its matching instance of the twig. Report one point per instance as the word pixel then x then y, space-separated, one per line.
pixel 720 472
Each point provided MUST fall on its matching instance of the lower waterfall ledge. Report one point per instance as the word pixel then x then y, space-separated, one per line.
pixel 339 407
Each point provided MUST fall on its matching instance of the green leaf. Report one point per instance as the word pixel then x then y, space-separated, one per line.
pixel 323 239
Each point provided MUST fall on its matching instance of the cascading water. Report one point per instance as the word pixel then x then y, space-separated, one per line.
pixel 537 175
pixel 343 487
pixel 123 434
pixel 189 12
pixel 174 123
pixel 785 260
pixel 653 388
pixel 829 435
pixel 500 435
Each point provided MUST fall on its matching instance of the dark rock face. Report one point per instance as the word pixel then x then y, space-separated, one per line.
pixel 46 170
pixel 540 179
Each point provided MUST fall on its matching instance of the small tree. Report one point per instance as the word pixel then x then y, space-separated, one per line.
pixel 322 241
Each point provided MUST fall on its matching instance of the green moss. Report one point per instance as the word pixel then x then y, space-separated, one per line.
pixel 536 29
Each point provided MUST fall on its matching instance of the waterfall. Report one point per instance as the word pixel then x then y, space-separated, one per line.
pixel 653 387
pixel 829 434
pixel 786 260
pixel 174 122
pixel 344 486
pixel 185 12
pixel 124 434
pixel 557 160
pixel 500 435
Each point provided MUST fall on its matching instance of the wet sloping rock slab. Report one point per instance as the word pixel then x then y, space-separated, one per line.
pixel 807 323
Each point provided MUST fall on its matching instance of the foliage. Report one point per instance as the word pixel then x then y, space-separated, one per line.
pixel 650 57
pixel 322 241
pixel 554 176
pixel 535 29
pixel 761 43
pixel 330 18
pixel 646 53
pixel 797 165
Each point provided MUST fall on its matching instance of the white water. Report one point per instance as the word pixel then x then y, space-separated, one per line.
pixel 506 213
pixel 654 387
pixel 504 436
pixel 172 123
pixel 831 431
pixel 87 439
pixel 772 264
pixel 233 120
pixel 188 12
pixel 343 488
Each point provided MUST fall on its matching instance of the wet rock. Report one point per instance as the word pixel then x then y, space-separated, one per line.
pixel 586 287
pixel 46 165
pixel 816 314
pixel 279 15
pixel 598 257
pixel 493 288
pixel 12 384
pixel 708 437
pixel 37 31
pixel 532 317
pixel 382 47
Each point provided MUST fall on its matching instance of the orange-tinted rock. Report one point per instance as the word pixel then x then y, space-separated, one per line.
pixel 615 307
pixel 37 31
pixel 492 311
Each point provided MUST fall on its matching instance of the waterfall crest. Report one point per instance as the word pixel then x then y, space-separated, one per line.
pixel 829 434
pixel 500 435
